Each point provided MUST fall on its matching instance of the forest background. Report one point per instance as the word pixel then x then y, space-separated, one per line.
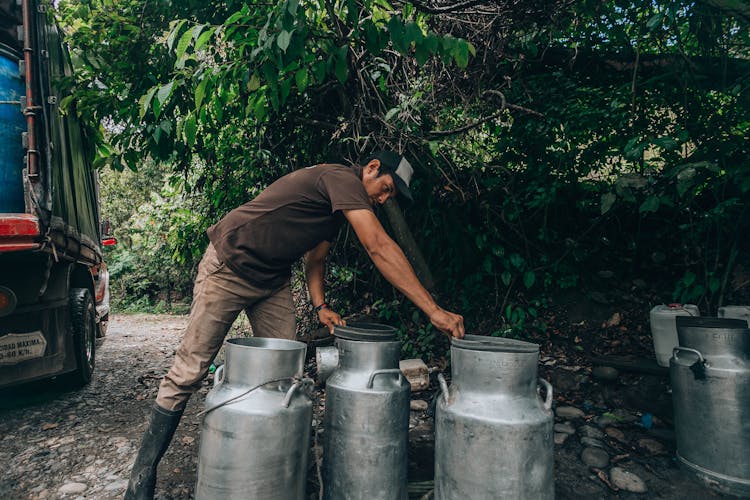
pixel 559 145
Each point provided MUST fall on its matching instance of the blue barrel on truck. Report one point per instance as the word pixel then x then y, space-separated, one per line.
pixel 54 299
pixel 12 126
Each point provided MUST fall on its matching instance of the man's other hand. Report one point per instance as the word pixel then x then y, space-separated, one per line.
pixel 448 322
pixel 330 318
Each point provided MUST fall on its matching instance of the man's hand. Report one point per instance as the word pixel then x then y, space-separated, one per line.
pixel 330 318
pixel 448 322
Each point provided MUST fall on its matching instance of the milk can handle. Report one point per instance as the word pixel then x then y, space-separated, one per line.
pixel 395 371
pixel 548 396
pixel 305 382
pixel 219 375
pixel 443 387
pixel 688 349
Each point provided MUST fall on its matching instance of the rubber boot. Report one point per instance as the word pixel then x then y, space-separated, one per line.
pixel 161 427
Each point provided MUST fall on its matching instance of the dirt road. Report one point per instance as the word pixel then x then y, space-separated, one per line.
pixel 81 444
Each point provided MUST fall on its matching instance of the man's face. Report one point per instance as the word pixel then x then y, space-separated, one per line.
pixel 379 189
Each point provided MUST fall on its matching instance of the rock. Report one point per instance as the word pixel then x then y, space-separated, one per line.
pixel 594 443
pixel 605 373
pixel 614 320
pixel 565 428
pixel 624 416
pixel 565 381
pixel 626 480
pixel 569 412
pixel 606 420
pixel 416 372
pixel 595 457
pixel 117 485
pixel 616 434
pixel 72 488
pixel 651 445
pixel 590 432
pixel 560 437
pixel 418 405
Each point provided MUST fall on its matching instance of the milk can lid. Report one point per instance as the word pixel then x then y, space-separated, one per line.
pixel 369 332
pixel 496 344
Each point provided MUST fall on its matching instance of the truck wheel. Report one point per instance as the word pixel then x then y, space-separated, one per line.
pixel 83 325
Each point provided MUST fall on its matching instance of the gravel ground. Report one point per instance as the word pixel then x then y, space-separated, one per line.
pixel 81 444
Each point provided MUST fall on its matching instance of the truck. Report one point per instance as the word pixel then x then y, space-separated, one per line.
pixel 54 284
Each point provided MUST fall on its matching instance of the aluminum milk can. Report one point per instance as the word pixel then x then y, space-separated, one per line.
pixel 493 431
pixel 737 312
pixel 710 376
pixel 256 444
pixel 365 442
pixel 664 329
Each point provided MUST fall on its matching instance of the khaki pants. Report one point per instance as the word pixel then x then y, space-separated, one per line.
pixel 218 297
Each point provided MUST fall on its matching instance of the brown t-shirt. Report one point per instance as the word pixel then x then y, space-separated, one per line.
pixel 261 239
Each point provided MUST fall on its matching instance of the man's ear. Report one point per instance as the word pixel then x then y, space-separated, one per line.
pixel 373 166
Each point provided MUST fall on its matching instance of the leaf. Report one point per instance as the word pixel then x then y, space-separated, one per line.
pixel 204 38
pixel 713 284
pixel 300 78
pixel 607 200
pixel 292 6
pixel 528 279
pixel 145 102
pixel 391 113
pixel 162 96
pixel 461 54
pixel 487 264
pixel 506 277
pixel 254 83
pixel 183 44
pixel 191 130
pixel 650 205
pixel 667 143
pixel 200 91
pixel 396 31
pixel 516 260
pixel 283 40
pixel 286 87
pixel 654 22
pixel 234 17
pixel 173 34
pixel 341 68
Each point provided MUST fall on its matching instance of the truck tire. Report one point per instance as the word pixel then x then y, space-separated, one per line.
pixel 83 326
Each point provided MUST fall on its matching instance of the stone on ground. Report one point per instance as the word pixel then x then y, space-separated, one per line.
pixel 560 437
pixel 591 432
pixel 616 434
pixel 569 412
pixel 605 373
pixel 626 480
pixel 418 405
pixel 72 488
pixel 565 428
pixel 416 372
pixel 595 457
pixel 652 446
pixel 595 443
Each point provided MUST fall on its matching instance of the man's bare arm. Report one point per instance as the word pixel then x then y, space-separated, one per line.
pixel 392 263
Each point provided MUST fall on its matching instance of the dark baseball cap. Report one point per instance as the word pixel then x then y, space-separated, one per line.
pixel 400 169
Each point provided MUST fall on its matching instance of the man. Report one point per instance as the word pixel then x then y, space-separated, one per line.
pixel 247 266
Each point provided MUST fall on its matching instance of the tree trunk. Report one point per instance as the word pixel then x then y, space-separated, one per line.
pixel 406 241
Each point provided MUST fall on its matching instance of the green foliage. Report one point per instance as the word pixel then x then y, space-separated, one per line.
pixel 563 140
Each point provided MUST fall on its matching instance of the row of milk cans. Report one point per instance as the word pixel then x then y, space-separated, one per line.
pixel 493 428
